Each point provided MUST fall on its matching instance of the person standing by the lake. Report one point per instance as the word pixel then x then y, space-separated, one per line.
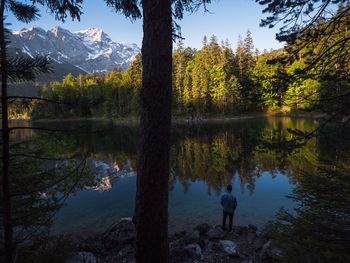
pixel 229 204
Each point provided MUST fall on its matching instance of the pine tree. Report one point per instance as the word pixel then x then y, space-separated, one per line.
pixel 19 69
pixel 240 57
pixel 181 57
pixel 248 48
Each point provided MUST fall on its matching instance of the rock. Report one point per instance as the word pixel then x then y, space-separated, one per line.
pixel 178 254
pixel 194 251
pixel 259 243
pixel 264 253
pixel 241 230
pixel 94 245
pixel 125 251
pixel 203 242
pixel 120 233
pixel 213 248
pixel 192 237
pixel 229 247
pixel 82 257
pixel 177 235
pixel 275 251
pixel 251 237
pixel 203 228
pixel 215 233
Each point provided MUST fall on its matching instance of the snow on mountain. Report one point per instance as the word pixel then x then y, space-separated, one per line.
pixel 91 50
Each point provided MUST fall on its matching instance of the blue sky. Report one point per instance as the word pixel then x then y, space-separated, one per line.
pixel 227 19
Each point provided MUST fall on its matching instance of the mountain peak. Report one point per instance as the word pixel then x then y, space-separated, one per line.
pixel 59 31
pixel 90 50
pixel 93 34
pixel 31 30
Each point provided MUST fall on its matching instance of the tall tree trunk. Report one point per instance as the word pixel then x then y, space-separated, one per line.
pixel 151 214
pixel 7 221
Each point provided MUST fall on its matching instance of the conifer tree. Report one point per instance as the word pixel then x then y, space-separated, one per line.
pixel 181 57
pixel 321 39
pixel 151 213
pixel 20 69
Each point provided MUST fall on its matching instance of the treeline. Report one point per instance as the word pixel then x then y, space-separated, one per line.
pixel 213 80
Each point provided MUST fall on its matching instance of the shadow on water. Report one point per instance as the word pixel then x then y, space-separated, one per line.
pixel 250 154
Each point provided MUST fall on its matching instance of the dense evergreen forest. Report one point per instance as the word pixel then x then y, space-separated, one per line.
pixel 213 80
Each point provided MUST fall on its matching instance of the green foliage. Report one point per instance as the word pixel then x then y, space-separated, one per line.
pixel 212 80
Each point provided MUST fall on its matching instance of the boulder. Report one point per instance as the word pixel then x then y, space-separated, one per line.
pixel 126 251
pixel 214 248
pixel 229 247
pixel 192 237
pixel 94 245
pixel 259 243
pixel 264 253
pixel 194 251
pixel 269 250
pixel 251 236
pixel 82 257
pixel 203 228
pixel 241 230
pixel 177 235
pixel 215 233
pixel 178 254
pixel 120 233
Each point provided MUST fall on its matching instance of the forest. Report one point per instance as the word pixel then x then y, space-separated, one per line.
pixel 213 80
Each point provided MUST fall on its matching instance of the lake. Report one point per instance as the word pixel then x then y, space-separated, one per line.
pixel 253 155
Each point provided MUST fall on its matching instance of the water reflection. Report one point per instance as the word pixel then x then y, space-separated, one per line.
pixel 107 173
pixel 251 154
pixel 318 230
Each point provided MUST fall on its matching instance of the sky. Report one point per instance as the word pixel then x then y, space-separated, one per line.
pixel 227 20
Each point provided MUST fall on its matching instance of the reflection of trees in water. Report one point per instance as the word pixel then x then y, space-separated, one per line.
pixel 319 228
pixel 214 154
pixel 41 180
pixel 217 154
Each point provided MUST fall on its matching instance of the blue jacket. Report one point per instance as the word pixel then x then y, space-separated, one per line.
pixel 228 202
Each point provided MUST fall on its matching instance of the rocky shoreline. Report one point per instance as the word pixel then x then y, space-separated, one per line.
pixel 204 243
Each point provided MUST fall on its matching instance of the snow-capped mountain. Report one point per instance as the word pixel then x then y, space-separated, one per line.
pixel 90 50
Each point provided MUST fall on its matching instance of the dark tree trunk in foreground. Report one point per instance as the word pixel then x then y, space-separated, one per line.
pixel 5 180
pixel 153 163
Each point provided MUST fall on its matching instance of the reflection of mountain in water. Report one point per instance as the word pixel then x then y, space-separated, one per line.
pixel 107 173
pixel 246 153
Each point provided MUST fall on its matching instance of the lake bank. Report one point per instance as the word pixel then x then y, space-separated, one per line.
pixel 192 119
pixel 203 243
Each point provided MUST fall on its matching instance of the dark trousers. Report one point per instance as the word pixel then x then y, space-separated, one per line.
pixel 230 217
